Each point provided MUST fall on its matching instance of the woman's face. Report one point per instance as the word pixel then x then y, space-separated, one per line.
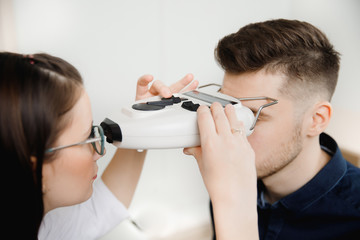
pixel 68 179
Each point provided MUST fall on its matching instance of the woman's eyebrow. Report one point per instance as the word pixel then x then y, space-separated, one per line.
pixel 87 134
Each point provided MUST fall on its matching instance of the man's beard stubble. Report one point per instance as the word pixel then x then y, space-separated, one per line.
pixel 282 156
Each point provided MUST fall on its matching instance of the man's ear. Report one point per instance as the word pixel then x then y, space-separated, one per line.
pixel 319 119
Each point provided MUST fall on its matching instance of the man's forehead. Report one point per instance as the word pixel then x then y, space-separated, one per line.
pixel 256 84
pixel 253 84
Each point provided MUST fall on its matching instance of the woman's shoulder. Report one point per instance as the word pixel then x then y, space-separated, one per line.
pixel 88 220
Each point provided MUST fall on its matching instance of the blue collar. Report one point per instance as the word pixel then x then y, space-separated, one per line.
pixel 322 183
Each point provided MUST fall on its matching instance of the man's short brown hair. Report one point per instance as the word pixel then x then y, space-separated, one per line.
pixel 297 49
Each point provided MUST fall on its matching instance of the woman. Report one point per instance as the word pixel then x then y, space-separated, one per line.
pixel 50 148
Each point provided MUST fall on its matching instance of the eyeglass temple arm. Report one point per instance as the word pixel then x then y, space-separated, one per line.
pixel 74 144
pixel 210 84
pixel 273 101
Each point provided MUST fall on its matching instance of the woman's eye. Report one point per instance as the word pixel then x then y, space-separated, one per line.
pixel 92 133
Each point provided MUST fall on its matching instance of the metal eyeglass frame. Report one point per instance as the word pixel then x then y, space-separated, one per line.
pixel 273 101
pixel 91 140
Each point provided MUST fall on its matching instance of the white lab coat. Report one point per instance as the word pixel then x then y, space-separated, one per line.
pixel 89 220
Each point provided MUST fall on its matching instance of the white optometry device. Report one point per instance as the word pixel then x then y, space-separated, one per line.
pixel 156 122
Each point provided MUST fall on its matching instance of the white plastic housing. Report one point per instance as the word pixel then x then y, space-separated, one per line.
pixel 171 127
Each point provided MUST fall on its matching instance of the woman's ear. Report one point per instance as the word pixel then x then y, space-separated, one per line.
pixel 33 161
pixel 320 117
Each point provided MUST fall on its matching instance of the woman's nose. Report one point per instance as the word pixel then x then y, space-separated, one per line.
pixel 98 156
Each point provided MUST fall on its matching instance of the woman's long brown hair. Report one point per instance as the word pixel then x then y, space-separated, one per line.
pixel 36 92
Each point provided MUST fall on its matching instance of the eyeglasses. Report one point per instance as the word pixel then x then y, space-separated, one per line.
pixel 272 102
pixel 96 139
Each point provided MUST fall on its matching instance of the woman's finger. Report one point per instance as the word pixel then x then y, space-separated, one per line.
pixel 206 123
pixel 191 87
pixel 159 88
pixel 221 122
pixel 237 127
pixel 182 83
pixel 142 85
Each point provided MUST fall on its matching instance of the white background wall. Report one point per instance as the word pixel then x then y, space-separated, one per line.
pixel 112 43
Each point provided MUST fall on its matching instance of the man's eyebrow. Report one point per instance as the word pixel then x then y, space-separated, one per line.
pixel 255 110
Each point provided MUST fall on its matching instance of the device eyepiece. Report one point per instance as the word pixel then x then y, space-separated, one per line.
pixel 112 130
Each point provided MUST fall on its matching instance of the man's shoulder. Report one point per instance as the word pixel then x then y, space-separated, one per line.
pixel 346 175
pixel 352 170
pixel 352 177
pixel 348 188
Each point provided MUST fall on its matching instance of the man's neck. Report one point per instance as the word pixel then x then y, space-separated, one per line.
pixel 297 173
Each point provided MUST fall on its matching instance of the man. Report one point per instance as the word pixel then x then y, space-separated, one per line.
pixel 306 189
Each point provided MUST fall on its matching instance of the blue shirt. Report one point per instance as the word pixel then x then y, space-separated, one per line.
pixel 327 207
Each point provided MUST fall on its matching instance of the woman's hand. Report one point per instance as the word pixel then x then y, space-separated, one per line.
pixel 123 172
pixel 227 165
pixel 225 157
pixel 159 88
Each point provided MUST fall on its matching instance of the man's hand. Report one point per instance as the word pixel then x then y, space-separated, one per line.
pixel 159 88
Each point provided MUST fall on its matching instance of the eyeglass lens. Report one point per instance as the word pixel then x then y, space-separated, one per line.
pixel 95 133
